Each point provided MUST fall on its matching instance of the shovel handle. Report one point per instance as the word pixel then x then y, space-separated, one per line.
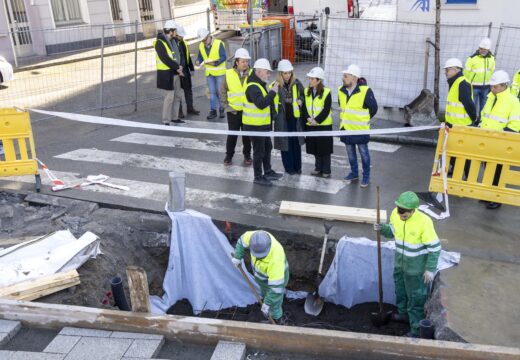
pixel 379 264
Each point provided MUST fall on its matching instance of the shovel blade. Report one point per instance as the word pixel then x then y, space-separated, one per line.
pixel 313 304
pixel 380 318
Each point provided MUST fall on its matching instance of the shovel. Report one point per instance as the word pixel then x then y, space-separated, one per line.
pixel 380 318
pixel 253 290
pixel 314 303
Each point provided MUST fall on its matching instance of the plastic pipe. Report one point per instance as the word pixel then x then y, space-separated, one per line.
pixel 426 329
pixel 119 293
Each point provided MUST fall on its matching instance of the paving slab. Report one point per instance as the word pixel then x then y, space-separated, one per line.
pixel 8 330
pixel 6 355
pixel 227 350
pixel 144 348
pixel 26 355
pixel 130 335
pixel 62 344
pixel 92 348
pixel 72 331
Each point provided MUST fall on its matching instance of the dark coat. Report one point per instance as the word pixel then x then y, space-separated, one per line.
pixel 465 96
pixel 285 115
pixel 165 77
pixel 255 96
pixel 370 104
pixel 319 146
pixel 187 65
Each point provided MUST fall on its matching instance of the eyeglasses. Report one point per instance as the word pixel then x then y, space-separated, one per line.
pixel 403 211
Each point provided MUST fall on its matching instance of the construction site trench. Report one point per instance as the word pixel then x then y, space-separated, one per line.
pixel 130 237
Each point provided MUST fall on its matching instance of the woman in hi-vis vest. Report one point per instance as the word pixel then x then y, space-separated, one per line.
pixel 317 115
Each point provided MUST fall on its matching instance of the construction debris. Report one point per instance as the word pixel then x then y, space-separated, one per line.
pixel 43 286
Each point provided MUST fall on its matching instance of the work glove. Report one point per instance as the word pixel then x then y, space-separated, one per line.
pixel 265 310
pixel 378 227
pixel 428 277
pixel 236 262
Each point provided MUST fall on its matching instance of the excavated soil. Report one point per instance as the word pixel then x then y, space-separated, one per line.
pixel 138 238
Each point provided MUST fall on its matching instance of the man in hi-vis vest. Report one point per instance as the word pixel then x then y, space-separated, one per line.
pixel 168 70
pixel 212 54
pixel 460 108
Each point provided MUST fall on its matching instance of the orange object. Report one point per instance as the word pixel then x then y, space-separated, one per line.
pixel 288 35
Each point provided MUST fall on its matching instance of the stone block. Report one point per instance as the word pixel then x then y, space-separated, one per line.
pixel 26 355
pixel 72 331
pixel 154 223
pixel 62 344
pixel 131 335
pixel 227 350
pixel 92 348
pixel 8 330
pixel 144 348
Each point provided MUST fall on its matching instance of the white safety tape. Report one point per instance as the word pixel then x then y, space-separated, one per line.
pixel 53 178
pixel 91 180
pixel 142 125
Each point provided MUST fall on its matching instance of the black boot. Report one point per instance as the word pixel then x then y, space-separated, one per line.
pixel 212 115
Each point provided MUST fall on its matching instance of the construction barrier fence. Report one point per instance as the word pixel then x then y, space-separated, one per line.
pixel 480 164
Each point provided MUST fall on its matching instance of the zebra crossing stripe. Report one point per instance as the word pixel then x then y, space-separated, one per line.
pixel 195 167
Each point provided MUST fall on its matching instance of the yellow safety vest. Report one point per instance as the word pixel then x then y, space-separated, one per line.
pixel 353 116
pixel 158 63
pixel 506 110
pixel 455 112
pixel 236 89
pixel 214 54
pixel 295 106
pixel 271 268
pixel 478 69
pixel 253 115
pixel 315 106
pixel 515 86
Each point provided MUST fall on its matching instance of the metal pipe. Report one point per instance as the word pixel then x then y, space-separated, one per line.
pixel 135 63
pixel 101 100
pixel 325 36
pixel 426 63
pixel 177 191
pixel 321 37
pixel 208 19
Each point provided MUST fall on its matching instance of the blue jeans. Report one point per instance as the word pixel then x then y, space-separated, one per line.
pixel 480 97
pixel 214 83
pixel 365 159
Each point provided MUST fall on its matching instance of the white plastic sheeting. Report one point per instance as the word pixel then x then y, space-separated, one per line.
pixel 57 252
pixel 353 278
pixel 200 268
pixel 392 55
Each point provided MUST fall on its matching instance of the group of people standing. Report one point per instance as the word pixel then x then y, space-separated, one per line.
pixel 480 96
pixel 254 104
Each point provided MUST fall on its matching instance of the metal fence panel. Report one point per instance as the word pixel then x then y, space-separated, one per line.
pixel 508 49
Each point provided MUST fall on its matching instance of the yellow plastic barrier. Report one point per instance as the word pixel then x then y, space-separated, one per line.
pixel 487 151
pixel 16 136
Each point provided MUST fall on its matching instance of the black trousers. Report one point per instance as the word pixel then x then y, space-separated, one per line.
pixel 235 123
pixel 188 91
pixel 322 163
pixel 262 147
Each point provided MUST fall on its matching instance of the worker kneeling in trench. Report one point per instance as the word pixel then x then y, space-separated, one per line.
pixel 270 267
pixel 417 250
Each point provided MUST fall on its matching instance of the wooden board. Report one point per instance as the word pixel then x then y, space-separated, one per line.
pixel 38 294
pixel 276 338
pixel 20 290
pixel 138 286
pixel 333 212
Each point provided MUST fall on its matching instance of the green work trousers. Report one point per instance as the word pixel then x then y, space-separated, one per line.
pixel 411 294
pixel 273 295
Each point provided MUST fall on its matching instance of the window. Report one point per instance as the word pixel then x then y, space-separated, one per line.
pixel 66 12
pixel 461 2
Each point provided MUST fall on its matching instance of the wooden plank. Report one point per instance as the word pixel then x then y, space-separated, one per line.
pixel 41 283
pixel 138 286
pixel 317 342
pixel 342 213
pixel 49 291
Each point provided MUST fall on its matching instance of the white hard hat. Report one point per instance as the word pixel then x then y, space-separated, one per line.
pixel 170 24
pixel 202 33
pixel 180 31
pixel 499 77
pixel 485 44
pixel 453 62
pixel 262 64
pixel 285 65
pixel 317 73
pixel 242 54
pixel 353 69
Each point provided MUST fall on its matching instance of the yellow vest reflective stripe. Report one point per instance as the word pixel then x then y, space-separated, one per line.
pixel 353 116
pixel 515 86
pixel 271 268
pixel 478 69
pixel 316 105
pixel 295 95
pixel 455 112
pixel 251 114
pixel 236 89
pixel 158 62
pixel 214 54
pixel 497 117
